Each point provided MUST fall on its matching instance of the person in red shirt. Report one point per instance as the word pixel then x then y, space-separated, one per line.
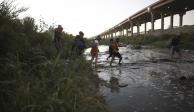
pixel 94 49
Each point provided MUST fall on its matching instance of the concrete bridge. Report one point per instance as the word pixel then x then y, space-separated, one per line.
pixel 156 11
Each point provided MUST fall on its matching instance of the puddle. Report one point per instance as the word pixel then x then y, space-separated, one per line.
pixel 147 81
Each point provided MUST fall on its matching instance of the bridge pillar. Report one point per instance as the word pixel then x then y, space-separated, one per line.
pixel 111 34
pixel 145 24
pixel 181 19
pixel 137 28
pixel 131 28
pixel 152 21
pixel 171 21
pixel 162 21
pixel 127 32
pixel 123 32
pixel 120 33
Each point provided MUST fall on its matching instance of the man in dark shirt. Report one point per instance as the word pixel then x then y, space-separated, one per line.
pixel 175 46
pixel 79 43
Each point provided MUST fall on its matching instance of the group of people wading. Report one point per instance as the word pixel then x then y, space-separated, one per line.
pixel 113 50
pixel 79 45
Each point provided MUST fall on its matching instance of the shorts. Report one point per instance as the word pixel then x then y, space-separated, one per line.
pixel 117 54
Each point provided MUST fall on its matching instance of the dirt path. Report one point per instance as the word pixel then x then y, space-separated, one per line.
pixel 147 81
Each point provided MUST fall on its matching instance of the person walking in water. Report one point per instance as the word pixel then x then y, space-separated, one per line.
pixel 94 49
pixel 110 49
pixel 115 48
pixel 57 38
pixel 175 46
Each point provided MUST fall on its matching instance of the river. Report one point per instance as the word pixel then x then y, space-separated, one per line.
pixel 147 81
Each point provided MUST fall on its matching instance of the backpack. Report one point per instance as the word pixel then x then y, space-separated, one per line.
pixel 80 44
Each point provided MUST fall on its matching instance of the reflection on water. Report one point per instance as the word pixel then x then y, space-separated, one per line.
pixel 147 81
pixel 114 84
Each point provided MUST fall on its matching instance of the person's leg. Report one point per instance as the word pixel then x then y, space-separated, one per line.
pixel 178 52
pixel 113 56
pixel 92 54
pixel 172 52
pixel 110 55
pixel 120 57
pixel 92 59
pixel 96 60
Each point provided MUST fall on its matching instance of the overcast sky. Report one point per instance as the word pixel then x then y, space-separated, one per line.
pixel 90 16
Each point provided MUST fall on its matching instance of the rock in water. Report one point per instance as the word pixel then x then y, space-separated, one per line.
pixel 123 85
pixel 182 78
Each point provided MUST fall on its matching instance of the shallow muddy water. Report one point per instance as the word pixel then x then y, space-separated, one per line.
pixel 147 81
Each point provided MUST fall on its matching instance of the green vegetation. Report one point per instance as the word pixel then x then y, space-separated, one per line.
pixel 34 77
pixel 162 41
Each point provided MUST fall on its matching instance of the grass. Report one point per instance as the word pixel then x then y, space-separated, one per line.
pixel 35 78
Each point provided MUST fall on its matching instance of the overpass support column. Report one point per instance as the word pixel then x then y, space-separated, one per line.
pixel 137 28
pixel 111 34
pixel 122 31
pixel 145 27
pixel 131 28
pixel 171 21
pixel 152 21
pixel 162 21
pixel 181 19
pixel 127 32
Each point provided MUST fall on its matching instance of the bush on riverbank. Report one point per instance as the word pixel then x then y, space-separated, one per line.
pixel 34 78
